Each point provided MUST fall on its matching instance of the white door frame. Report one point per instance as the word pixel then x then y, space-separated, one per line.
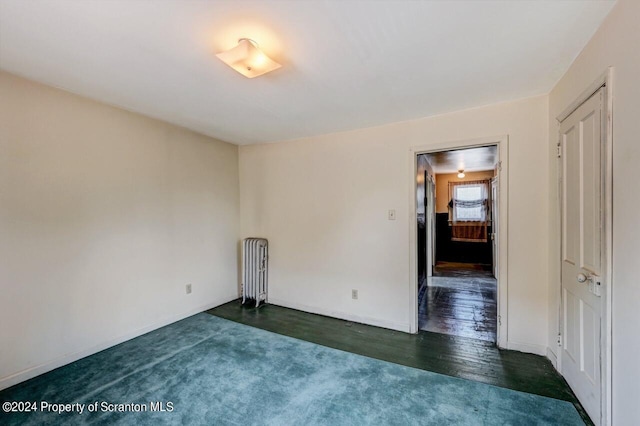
pixel 495 181
pixel 503 190
pixel 605 80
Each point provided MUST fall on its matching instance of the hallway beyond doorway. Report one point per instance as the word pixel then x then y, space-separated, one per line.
pixel 459 299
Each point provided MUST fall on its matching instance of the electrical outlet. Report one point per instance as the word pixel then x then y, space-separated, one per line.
pixel 354 294
pixel 188 288
pixel 392 215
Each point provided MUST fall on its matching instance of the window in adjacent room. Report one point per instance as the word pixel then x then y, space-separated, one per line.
pixel 469 203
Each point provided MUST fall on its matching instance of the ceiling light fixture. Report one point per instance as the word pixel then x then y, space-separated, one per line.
pixel 248 59
pixel 460 173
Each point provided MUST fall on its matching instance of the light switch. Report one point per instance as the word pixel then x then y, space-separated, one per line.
pixel 392 215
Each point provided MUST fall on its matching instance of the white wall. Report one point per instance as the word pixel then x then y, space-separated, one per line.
pixel 616 43
pixel 323 202
pixel 105 215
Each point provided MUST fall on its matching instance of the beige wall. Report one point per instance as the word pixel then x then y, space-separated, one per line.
pixel 442 186
pixel 323 203
pixel 105 215
pixel 616 43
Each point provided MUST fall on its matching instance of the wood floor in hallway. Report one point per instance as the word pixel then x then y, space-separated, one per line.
pixel 459 300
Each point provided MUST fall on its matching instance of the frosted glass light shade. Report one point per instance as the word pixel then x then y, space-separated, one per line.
pixel 460 174
pixel 248 59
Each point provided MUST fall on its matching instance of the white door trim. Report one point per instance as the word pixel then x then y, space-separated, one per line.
pixel 503 189
pixel 605 80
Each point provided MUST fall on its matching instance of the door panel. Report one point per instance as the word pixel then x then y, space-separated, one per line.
pixel 590 350
pixel 590 256
pixel 582 227
pixel 570 229
pixel 570 313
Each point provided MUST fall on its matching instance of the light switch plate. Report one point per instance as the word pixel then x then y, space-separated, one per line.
pixel 392 215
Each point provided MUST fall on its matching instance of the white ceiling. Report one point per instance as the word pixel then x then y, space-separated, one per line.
pixel 346 65
pixel 469 160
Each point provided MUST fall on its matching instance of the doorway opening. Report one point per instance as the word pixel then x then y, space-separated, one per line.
pixel 457 210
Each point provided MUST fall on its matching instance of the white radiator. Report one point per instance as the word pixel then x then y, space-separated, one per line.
pixel 255 252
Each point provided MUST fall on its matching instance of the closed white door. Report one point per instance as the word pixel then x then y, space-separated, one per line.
pixel 582 229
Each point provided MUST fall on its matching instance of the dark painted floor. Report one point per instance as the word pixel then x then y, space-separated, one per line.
pixel 460 270
pixel 459 300
pixel 455 356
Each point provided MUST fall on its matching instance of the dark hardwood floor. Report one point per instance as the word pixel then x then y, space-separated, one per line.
pixel 459 300
pixel 456 356
pixel 461 270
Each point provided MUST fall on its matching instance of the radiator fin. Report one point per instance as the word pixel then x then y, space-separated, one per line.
pixel 255 265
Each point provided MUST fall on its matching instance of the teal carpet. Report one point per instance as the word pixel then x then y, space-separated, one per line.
pixel 214 371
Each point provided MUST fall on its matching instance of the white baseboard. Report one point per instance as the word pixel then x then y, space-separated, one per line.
pixel 404 327
pixel 553 358
pixel 31 372
pixel 527 347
